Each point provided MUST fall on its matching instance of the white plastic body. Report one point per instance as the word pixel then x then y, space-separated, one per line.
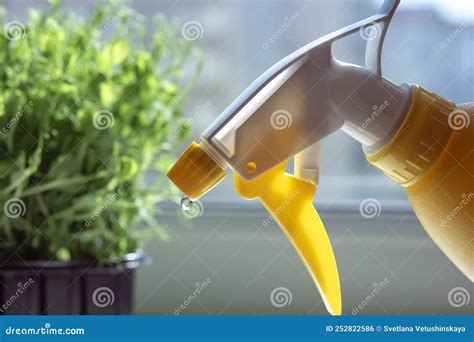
pixel 301 106
pixel 307 163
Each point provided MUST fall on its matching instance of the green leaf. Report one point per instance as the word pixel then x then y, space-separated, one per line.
pixel 119 51
pixel 63 254
pixel 107 95
pixel 128 168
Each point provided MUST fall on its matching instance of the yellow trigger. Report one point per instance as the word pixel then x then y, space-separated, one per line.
pixel 290 201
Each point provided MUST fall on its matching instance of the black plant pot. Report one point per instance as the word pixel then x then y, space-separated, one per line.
pixel 68 288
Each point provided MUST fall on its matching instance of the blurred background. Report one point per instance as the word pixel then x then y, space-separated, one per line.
pixel 237 260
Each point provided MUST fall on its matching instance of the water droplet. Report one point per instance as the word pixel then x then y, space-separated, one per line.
pixel 191 209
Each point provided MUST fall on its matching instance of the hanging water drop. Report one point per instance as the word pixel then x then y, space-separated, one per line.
pixel 191 209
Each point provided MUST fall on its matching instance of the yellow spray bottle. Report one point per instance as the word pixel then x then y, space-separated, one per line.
pixel 420 140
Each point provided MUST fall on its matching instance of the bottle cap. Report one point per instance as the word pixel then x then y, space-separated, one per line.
pixel 196 172
pixel 420 141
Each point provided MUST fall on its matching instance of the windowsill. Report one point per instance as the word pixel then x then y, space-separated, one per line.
pixel 324 207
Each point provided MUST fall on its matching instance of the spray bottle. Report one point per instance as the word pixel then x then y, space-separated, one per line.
pixel 421 141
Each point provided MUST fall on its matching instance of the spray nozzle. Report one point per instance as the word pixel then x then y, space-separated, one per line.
pixel 196 172
pixel 285 113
